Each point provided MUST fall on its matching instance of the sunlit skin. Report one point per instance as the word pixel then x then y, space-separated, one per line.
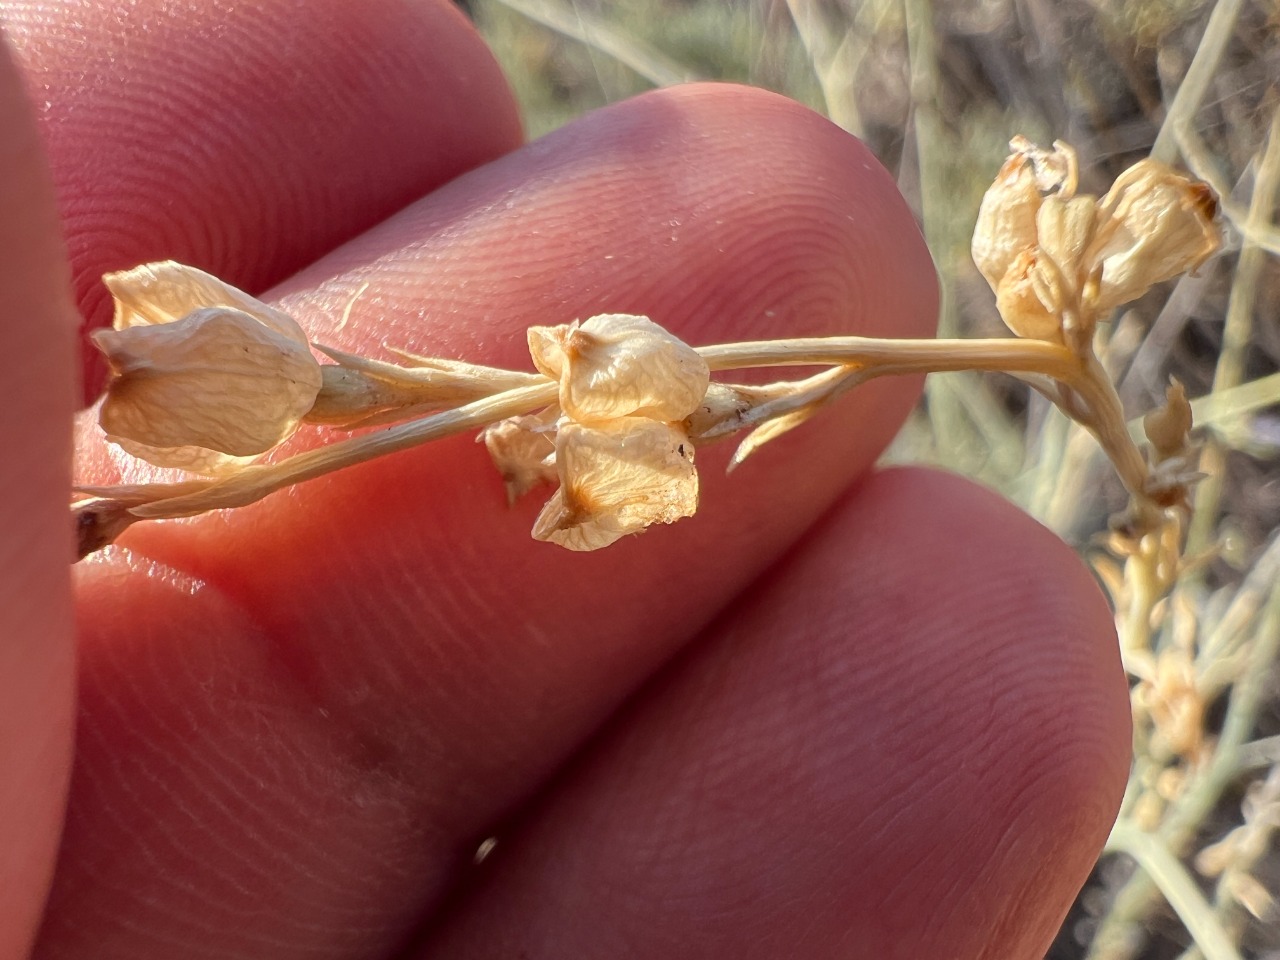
pixel 843 712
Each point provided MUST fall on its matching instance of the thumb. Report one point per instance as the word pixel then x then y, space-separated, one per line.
pixel 36 660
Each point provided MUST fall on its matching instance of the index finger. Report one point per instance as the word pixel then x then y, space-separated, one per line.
pixel 248 139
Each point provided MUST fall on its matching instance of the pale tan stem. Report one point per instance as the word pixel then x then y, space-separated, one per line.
pixel 915 356
pixel 1083 374
pixel 864 358
pixel 1107 423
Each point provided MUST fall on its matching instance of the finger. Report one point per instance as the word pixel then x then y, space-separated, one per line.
pixel 910 742
pixel 36 672
pixel 423 661
pixel 249 139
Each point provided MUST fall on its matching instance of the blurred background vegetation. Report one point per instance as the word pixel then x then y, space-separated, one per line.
pixel 936 88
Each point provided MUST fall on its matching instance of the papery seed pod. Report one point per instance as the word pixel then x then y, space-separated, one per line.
pixel 617 477
pixel 524 450
pixel 619 365
pixel 1157 224
pixel 1027 301
pixel 210 388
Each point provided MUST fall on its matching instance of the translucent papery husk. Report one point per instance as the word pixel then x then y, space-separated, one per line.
pixel 620 365
pixel 524 450
pixel 1159 224
pixel 1006 224
pixel 162 292
pixel 206 391
pixel 616 478
pixel 1006 219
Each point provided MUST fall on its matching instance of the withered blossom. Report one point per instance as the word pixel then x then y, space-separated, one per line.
pixel 1059 262
pixel 203 376
pixel 1163 225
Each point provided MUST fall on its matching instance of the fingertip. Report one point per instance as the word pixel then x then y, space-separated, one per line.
pixel 909 740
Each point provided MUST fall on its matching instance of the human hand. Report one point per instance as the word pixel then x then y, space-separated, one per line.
pixel 842 712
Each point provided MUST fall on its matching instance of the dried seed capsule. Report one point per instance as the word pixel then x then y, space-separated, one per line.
pixel 619 365
pixel 1064 228
pixel 1007 219
pixel 203 375
pixel 617 477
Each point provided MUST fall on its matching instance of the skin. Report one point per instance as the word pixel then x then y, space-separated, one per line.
pixel 843 712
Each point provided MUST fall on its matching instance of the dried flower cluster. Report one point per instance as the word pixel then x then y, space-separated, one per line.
pixel 1059 262
pixel 615 440
pixel 206 378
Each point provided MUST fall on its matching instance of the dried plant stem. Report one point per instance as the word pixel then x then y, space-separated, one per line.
pixel 1191 92
pixel 256 481
pixel 1082 377
pixel 1168 874
pixel 1236 333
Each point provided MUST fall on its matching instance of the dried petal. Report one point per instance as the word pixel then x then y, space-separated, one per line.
pixel 1158 224
pixel 1007 217
pixel 619 365
pixel 202 391
pixel 524 450
pixel 1027 299
pixel 1064 228
pixel 616 478
pixel 163 292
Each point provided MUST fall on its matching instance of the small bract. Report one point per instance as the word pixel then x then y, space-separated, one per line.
pixel 203 376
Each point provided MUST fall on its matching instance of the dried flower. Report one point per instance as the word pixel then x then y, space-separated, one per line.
pixel 1057 262
pixel 203 375
pixel 619 365
pixel 1163 225
pixel 616 478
